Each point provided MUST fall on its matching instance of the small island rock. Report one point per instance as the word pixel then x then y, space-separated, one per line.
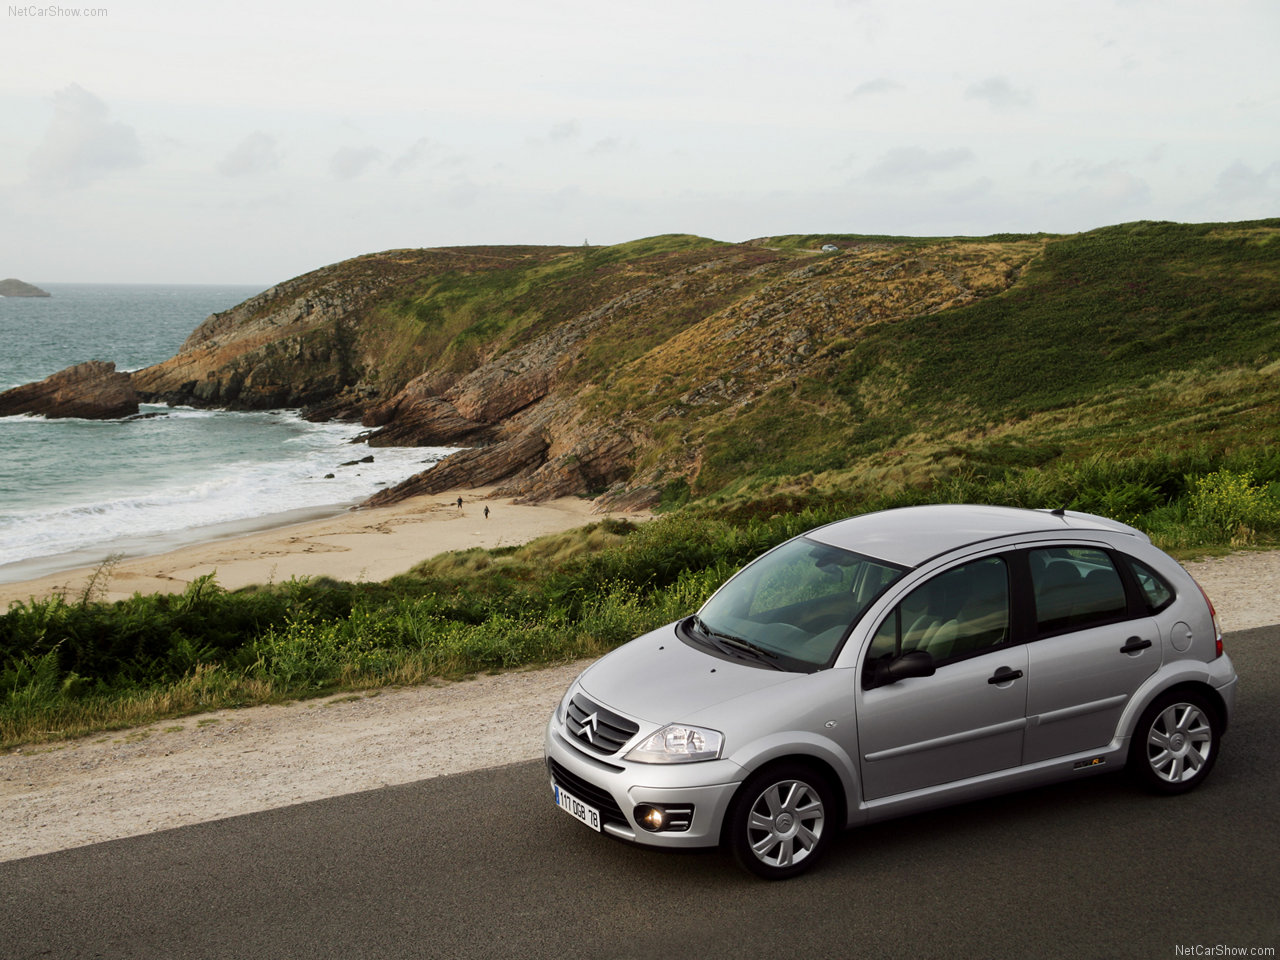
pixel 16 288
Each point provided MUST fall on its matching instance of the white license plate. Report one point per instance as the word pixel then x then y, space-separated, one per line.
pixel 577 809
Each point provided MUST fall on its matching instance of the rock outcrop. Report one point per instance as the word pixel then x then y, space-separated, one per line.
pixel 417 418
pixel 92 391
pixel 476 467
pixel 16 288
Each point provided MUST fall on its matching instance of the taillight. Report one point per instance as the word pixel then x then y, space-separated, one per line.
pixel 1217 628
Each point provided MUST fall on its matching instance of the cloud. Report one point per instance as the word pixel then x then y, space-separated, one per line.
pixel 349 162
pixel 564 132
pixel 874 87
pixel 609 145
pixel 1241 182
pixel 419 152
pixel 1000 93
pixel 82 144
pixel 425 154
pixel 255 154
pixel 1114 186
pixel 917 163
pixel 1080 194
pixel 567 130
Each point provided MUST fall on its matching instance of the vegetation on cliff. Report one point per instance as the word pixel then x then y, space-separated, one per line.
pixel 753 390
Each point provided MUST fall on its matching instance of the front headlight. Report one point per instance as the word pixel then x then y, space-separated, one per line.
pixel 676 743
pixel 563 705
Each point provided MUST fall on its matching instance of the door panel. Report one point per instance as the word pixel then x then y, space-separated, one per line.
pixel 1079 683
pixel 924 731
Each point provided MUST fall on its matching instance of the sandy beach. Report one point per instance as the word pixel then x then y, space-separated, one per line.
pixel 359 545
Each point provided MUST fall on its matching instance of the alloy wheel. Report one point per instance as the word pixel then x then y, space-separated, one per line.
pixel 1179 743
pixel 786 823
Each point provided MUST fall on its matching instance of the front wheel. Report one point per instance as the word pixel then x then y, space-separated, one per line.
pixel 1176 743
pixel 781 821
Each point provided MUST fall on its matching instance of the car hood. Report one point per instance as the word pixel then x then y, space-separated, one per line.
pixel 660 678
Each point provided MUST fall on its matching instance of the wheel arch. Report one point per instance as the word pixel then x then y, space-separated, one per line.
pixel 1201 687
pixel 1211 695
pixel 1185 676
pixel 821 766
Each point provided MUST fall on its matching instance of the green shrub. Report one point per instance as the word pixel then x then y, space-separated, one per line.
pixel 1232 508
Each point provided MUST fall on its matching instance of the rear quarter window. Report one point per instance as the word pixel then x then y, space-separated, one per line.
pixel 1156 593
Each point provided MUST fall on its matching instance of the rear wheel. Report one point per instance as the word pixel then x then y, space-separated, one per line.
pixel 1176 742
pixel 781 821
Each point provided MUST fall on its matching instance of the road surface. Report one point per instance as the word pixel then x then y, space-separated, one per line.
pixel 482 865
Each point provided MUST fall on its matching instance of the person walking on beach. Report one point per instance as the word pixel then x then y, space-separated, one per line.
pixel 459 504
pixel 486 513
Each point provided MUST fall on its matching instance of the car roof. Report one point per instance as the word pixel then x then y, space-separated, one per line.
pixel 910 536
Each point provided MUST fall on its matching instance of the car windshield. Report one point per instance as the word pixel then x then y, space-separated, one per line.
pixel 792 607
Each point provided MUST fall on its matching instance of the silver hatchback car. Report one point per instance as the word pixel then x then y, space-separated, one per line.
pixel 891 663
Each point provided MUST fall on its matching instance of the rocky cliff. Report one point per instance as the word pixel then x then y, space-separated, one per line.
pixel 566 370
pixel 92 391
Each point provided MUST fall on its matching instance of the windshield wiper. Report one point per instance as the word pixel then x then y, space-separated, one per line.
pixel 767 657
pixel 713 635
pixel 728 643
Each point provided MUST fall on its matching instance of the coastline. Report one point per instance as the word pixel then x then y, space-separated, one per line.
pixel 369 544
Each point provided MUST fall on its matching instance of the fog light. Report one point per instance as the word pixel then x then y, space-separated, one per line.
pixel 668 818
pixel 651 818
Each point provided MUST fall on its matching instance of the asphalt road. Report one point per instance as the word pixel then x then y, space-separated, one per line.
pixel 482 865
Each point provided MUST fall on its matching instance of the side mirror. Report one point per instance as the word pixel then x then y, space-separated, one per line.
pixel 914 663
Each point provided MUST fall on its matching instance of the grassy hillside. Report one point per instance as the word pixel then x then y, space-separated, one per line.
pixel 1114 342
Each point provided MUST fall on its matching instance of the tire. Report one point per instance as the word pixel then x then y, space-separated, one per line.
pixel 1176 742
pixel 781 821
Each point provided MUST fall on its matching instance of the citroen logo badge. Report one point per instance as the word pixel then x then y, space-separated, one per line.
pixel 590 724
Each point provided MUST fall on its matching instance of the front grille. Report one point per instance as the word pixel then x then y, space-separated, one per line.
pixel 588 792
pixel 601 731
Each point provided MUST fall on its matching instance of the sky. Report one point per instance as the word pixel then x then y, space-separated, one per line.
pixel 148 141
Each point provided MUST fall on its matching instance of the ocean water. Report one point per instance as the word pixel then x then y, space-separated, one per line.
pixel 73 492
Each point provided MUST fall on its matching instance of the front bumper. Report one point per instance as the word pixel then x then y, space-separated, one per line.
pixel 616 787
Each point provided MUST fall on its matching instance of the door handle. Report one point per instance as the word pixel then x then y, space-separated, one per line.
pixel 1004 675
pixel 1134 644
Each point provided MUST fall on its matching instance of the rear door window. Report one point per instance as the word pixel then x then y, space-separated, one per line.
pixel 1074 588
